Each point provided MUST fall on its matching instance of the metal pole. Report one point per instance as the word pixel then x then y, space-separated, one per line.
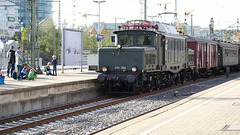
pixel 81 55
pixel 99 2
pixel 115 24
pixel 145 9
pixel 237 37
pixel 59 31
pixel 4 55
pixel 99 24
pixel 37 43
pixel 175 16
pixel 33 33
pixel 191 25
pixel 54 42
pixel 63 44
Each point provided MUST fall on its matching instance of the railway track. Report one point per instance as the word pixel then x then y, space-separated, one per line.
pixel 12 121
pixel 14 124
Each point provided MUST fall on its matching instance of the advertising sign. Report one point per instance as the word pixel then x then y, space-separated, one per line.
pixel 72 47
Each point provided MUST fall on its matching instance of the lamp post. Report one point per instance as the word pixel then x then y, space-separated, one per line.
pixel 99 2
pixel 116 22
pixel 4 34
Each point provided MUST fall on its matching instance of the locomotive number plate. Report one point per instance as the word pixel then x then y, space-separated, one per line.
pixel 117 67
pixel 123 67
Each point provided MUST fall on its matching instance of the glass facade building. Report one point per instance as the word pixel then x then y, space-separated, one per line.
pixel 44 9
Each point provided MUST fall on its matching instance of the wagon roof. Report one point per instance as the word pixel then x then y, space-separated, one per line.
pixel 227 45
pixel 201 40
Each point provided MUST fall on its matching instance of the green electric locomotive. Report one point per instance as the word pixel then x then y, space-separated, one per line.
pixel 148 56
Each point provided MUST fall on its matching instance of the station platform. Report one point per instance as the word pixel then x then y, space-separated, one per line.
pixel 43 80
pixel 17 97
pixel 215 111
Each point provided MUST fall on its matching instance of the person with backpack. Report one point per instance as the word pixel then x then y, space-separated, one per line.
pixel 11 61
pixel 19 62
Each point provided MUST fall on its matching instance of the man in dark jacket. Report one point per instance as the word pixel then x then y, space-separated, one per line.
pixel 11 60
pixel 54 63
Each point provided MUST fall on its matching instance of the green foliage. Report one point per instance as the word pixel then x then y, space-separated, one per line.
pixel 49 33
pixel 47 37
pixel 107 39
pixel 24 34
pixel 15 36
pixel 89 41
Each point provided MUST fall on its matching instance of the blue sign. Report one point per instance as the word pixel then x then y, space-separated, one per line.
pixel 4 39
pixel 99 36
pixel 113 38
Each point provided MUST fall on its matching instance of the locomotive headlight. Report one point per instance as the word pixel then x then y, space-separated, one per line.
pixel 104 69
pixel 119 46
pixel 134 69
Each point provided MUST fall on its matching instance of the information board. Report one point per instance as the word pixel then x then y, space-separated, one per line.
pixel 71 47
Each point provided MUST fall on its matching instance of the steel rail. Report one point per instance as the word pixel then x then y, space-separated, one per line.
pixel 35 113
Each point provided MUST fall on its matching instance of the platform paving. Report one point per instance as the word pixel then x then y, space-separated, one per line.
pixel 215 111
pixel 42 80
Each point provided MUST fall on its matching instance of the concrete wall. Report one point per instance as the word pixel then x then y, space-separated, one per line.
pixel 34 98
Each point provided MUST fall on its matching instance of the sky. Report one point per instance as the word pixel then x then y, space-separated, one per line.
pixel 224 13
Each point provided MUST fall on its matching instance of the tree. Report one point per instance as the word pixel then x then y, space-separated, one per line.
pixel 89 41
pixel 48 33
pixel 107 39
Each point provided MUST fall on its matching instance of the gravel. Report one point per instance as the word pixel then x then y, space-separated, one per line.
pixel 90 122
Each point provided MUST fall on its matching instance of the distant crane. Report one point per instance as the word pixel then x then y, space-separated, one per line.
pixel 188 13
pixel 85 15
pixel 185 21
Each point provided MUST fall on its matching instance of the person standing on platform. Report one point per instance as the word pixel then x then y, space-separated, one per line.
pixel 11 61
pixel 54 63
pixel 19 62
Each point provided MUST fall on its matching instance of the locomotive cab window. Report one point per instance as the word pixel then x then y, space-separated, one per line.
pixel 126 39
pixel 143 39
